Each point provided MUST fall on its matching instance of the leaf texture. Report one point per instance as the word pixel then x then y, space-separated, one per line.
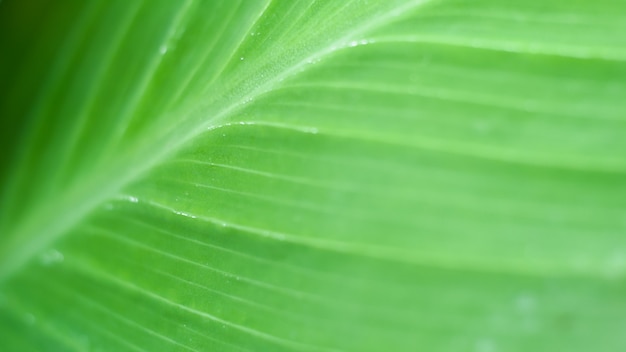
pixel 437 175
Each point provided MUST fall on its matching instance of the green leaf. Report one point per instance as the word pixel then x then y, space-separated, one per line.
pixel 443 175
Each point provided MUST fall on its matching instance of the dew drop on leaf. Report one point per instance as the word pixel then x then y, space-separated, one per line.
pixel 485 345
pixel 525 302
pixel 51 257
pixel 30 319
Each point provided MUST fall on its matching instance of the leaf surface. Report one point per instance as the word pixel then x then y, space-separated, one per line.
pixel 313 175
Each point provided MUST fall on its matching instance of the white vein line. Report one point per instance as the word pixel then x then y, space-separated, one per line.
pixel 285 290
pixel 497 205
pixel 447 95
pixel 335 303
pixel 305 318
pixel 271 175
pixel 397 194
pixel 99 306
pixel 342 304
pixel 184 326
pixel 267 308
pixel 98 327
pixel 200 334
pixel 339 187
pixel 112 335
pixel 520 17
pixel 354 212
pixel 285 16
pixel 336 246
pixel 339 304
pixel 69 147
pixel 132 102
pixel 298 269
pixel 570 162
pixel 50 330
pixel 240 43
pixel 58 70
pixel 276 200
pixel 88 271
pixel 394 254
pixel 494 194
pixel 295 21
pixel 21 253
pixel 521 47
pixel 352 161
pixel 342 43
pixel 192 73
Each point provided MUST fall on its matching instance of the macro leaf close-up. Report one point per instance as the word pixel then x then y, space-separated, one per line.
pixel 366 175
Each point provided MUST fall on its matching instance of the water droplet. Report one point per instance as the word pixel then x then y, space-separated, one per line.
pixel 30 319
pixel 185 214
pixel 354 43
pixel 616 265
pixel 133 199
pixel 482 127
pixel 241 58
pixel 485 345
pixel 312 130
pixel 85 341
pixel 51 257
pixel 163 49
pixel 525 302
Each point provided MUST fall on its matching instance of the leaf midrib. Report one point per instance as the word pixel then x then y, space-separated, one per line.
pixel 52 221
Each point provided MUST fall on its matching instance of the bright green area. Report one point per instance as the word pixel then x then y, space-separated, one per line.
pixel 443 175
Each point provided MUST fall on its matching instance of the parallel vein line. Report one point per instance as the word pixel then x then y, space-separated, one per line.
pixel 86 270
